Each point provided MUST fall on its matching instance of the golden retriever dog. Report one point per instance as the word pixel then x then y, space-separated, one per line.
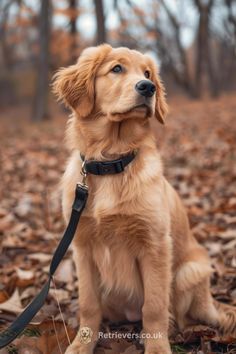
pixel 135 255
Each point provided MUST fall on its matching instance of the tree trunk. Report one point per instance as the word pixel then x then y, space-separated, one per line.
pixel 201 50
pixel 40 108
pixel 6 48
pixel 205 73
pixel 73 29
pixel 100 18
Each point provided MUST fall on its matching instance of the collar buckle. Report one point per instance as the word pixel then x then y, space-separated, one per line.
pixel 119 166
pixel 108 167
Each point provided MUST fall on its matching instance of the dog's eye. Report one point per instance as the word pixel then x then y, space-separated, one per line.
pixel 147 74
pixel 117 69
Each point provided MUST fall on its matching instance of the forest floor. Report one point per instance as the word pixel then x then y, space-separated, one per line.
pixel 198 144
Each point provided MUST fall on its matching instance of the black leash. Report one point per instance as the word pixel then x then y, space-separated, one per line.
pixel 16 328
pixel 81 195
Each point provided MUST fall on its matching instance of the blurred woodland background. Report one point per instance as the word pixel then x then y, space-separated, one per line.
pixel 194 43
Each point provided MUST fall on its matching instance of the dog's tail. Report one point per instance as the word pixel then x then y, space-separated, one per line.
pixel 227 318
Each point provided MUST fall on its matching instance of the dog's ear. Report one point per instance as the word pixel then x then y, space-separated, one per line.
pixel 75 85
pixel 161 107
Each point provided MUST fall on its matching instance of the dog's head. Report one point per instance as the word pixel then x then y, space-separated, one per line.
pixel 120 83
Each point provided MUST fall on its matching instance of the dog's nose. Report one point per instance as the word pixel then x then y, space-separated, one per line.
pixel 145 88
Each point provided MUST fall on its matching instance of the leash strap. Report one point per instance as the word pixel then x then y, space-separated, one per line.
pixel 8 335
pixel 102 168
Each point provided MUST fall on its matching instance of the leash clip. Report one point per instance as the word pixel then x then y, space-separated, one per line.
pixel 84 174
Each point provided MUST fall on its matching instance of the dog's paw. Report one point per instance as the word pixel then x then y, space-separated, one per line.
pixel 158 349
pixel 78 348
pixel 71 350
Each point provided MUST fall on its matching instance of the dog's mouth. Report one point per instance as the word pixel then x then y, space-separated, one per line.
pixel 139 108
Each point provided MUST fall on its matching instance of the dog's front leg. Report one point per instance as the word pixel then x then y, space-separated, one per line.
pixel 89 304
pixel 155 266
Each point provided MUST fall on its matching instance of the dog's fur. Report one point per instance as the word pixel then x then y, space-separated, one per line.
pixel 135 255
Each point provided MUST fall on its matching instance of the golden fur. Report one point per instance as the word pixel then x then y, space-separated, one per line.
pixel 134 252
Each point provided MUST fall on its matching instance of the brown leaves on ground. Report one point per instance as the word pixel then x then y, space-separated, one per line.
pixel 198 145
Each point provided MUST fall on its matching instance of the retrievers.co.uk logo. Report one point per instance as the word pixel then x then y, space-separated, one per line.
pixel 85 335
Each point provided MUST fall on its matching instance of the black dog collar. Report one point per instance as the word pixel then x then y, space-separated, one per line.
pixel 107 167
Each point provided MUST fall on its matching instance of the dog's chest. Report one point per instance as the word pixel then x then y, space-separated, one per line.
pixel 118 271
pixel 117 245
